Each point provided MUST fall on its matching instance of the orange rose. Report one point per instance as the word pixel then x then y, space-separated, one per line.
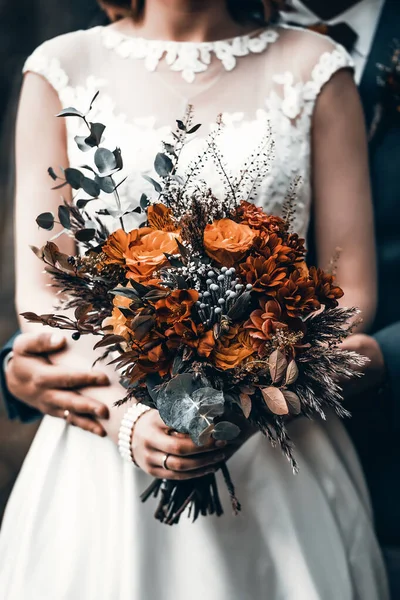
pixel 118 321
pixel 160 217
pixel 117 243
pixel 147 254
pixel 227 242
pixel 232 349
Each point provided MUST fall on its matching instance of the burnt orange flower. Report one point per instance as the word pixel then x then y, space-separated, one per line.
pixel 263 324
pixel 118 322
pixel 118 243
pixel 160 217
pixel 297 295
pixel 256 218
pixel 177 306
pixel 227 242
pixel 232 348
pixel 271 245
pixel 147 254
pixel 325 289
pixel 188 334
pixel 265 275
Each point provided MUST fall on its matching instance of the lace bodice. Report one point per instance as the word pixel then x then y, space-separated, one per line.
pixel 266 81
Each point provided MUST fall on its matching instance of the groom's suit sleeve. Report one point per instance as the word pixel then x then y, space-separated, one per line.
pixel 389 342
pixel 14 407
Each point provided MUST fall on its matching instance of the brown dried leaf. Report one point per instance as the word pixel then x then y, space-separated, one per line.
pixel 37 251
pixel 277 365
pixel 141 325
pixel 246 405
pixel 292 373
pixel 50 253
pixel 275 400
pixel 293 401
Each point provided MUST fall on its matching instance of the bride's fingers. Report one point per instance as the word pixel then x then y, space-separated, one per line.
pixel 181 446
pixel 161 473
pixel 180 464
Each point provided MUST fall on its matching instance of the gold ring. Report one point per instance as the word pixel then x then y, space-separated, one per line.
pixel 66 414
pixel 164 464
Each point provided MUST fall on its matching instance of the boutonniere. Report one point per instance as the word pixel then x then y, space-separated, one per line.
pixel 387 109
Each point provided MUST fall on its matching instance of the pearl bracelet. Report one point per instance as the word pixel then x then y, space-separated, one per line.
pixel 128 422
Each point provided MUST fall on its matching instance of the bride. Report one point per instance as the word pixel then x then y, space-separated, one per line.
pixel 74 527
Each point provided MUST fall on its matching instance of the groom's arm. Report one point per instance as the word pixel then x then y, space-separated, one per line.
pixel 14 407
pixel 389 343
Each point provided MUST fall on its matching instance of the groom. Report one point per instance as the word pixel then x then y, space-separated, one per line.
pixel 367 28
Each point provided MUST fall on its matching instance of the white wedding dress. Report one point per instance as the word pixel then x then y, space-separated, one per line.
pixel 74 527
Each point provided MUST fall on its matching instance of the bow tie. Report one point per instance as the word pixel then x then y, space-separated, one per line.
pixel 341 33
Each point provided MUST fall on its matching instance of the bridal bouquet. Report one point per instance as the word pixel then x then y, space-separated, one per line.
pixel 208 309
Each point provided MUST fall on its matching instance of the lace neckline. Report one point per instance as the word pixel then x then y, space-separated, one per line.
pixel 188 58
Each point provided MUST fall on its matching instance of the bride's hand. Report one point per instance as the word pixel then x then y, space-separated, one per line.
pixel 152 441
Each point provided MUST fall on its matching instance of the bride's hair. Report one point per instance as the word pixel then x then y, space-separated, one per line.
pixel 259 10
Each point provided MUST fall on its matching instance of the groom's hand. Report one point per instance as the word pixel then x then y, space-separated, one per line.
pixel 373 372
pixel 52 390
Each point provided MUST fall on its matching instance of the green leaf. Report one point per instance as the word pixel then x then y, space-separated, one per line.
pixel 187 407
pixel 105 161
pixel 181 125
pixel 85 235
pixel 144 201
pixel 90 187
pixel 240 309
pixel 93 100
pixel 106 184
pixel 46 221
pixel 74 178
pixel 226 431
pixel 52 173
pixel 70 112
pixel 154 183
pixel 194 129
pixel 96 133
pixel 163 165
pixel 64 217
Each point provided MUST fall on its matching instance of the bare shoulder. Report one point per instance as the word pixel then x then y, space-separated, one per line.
pixel 307 50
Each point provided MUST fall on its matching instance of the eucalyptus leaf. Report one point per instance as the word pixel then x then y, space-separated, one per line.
pixel 96 132
pixel 46 221
pixel 52 173
pixel 90 187
pixel 64 217
pixel 163 165
pixel 144 201
pixel 83 143
pixel 181 125
pixel 183 405
pixel 153 182
pixel 85 235
pixel 106 184
pixel 74 178
pixel 70 112
pixel 105 161
pixel 226 431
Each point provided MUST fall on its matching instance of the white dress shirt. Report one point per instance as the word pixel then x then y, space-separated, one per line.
pixel 363 17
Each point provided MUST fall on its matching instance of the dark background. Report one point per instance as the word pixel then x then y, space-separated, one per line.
pixel 24 24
